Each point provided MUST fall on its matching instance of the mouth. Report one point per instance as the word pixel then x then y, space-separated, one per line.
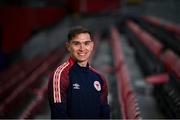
pixel 81 54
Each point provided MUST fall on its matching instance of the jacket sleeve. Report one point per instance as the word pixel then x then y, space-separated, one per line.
pixel 105 109
pixel 57 96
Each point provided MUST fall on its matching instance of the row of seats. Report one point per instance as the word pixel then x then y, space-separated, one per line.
pixel 166 91
pixel 12 70
pixel 19 76
pixel 168 97
pixel 168 39
pixel 171 54
pixel 129 106
pixel 165 25
pixel 155 47
pixel 21 95
pixel 36 104
pixel 147 49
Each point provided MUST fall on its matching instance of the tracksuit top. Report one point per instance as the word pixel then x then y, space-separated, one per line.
pixel 77 92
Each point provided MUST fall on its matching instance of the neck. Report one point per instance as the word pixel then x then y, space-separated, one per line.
pixel 82 64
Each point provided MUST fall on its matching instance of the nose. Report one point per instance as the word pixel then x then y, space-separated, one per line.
pixel 82 47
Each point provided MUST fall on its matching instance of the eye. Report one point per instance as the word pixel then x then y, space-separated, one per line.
pixel 76 43
pixel 87 42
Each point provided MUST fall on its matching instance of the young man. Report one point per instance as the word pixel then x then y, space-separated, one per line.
pixel 76 90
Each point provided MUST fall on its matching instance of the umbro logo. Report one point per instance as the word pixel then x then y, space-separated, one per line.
pixel 76 86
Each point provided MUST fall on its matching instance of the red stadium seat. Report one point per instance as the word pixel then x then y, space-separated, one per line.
pixel 129 107
pixel 166 25
pixel 158 79
pixel 169 58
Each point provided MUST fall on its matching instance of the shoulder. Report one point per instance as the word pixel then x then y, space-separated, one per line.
pixel 97 73
pixel 94 70
pixel 62 69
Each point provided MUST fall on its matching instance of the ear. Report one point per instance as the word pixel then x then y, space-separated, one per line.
pixel 67 46
pixel 93 45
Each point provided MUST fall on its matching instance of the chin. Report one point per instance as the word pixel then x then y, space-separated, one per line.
pixel 81 59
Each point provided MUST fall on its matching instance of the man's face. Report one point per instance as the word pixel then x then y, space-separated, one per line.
pixel 80 47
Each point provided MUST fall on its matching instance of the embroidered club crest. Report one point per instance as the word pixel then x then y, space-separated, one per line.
pixel 97 85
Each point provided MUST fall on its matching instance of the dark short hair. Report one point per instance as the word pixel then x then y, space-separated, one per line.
pixel 77 30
